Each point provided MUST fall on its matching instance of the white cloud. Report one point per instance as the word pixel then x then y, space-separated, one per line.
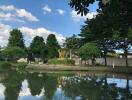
pixel 10 17
pixel 46 9
pixel 7 8
pixel 60 11
pixel 6 15
pixel 11 13
pixel 28 33
pixel 23 13
pixel 77 17
pixel 4 34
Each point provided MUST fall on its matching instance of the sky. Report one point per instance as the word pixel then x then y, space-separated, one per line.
pixel 40 17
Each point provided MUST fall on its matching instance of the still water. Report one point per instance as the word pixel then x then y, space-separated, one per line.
pixel 62 86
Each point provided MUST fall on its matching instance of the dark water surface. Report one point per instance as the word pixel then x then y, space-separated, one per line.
pixel 57 86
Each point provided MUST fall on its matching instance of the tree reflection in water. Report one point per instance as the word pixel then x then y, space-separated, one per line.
pixel 95 88
pixel 13 85
pixel 35 83
pixel 65 87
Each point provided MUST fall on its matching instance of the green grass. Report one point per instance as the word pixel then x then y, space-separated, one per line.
pixel 5 65
pixel 12 65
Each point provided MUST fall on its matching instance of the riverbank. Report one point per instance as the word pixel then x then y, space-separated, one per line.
pixel 44 67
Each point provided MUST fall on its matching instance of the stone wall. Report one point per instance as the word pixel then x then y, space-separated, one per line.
pixel 115 61
pixel 110 61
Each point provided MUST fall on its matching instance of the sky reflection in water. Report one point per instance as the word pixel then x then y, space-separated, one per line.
pixel 35 86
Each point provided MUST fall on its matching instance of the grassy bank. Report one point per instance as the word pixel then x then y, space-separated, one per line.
pixel 11 65
pixel 42 67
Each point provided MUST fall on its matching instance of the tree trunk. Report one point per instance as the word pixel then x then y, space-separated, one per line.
pixel 126 59
pixel 105 60
pixel 93 61
pixel 70 53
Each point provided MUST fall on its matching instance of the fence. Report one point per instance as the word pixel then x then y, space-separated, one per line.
pixel 110 61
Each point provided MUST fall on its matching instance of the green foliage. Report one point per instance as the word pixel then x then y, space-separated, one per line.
pixel 13 53
pixel 61 62
pixel 9 65
pixel 16 39
pixel 0 54
pixel 5 65
pixel 38 47
pixel 72 42
pixel 110 28
pixel 116 35
pixel 53 46
pixel 120 9
pixel 89 51
pixel 130 34
pixel 20 65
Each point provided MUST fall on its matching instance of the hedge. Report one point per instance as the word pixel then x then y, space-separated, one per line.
pixel 61 61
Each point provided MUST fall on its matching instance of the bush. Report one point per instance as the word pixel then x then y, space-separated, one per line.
pixel 5 65
pixel 21 65
pixel 61 62
pixel 13 53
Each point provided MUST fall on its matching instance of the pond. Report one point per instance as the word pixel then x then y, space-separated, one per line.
pixel 63 86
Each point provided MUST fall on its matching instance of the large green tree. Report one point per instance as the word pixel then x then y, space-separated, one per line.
pixel 89 51
pixel 97 30
pixel 38 48
pixel 53 46
pixel 0 53
pixel 113 19
pixel 16 39
pixel 73 44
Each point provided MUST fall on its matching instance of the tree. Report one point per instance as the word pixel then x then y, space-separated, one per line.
pixel 125 45
pixel 72 43
pixel 97 30
pixel 89 51
pixel 110 19
pixel 82 6
pixel 13 53
pixel 0 53
pixel 53 46
pixel 38 48
pixel 16 39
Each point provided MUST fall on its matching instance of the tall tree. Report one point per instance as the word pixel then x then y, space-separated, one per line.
pixel 16 39
pixel 97 30
pixel 73 44
pixel 53 46
pixel 113 15
pixel 38 48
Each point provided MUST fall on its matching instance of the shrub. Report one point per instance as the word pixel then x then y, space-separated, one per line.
pixel 5 65
pixel 61 62
pixel 21 65
pixel 13 53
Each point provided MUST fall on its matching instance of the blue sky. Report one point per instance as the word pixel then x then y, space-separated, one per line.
pixel 40 17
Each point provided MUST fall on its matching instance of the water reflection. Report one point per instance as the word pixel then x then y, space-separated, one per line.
pixel 36 86
pixel 25 93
